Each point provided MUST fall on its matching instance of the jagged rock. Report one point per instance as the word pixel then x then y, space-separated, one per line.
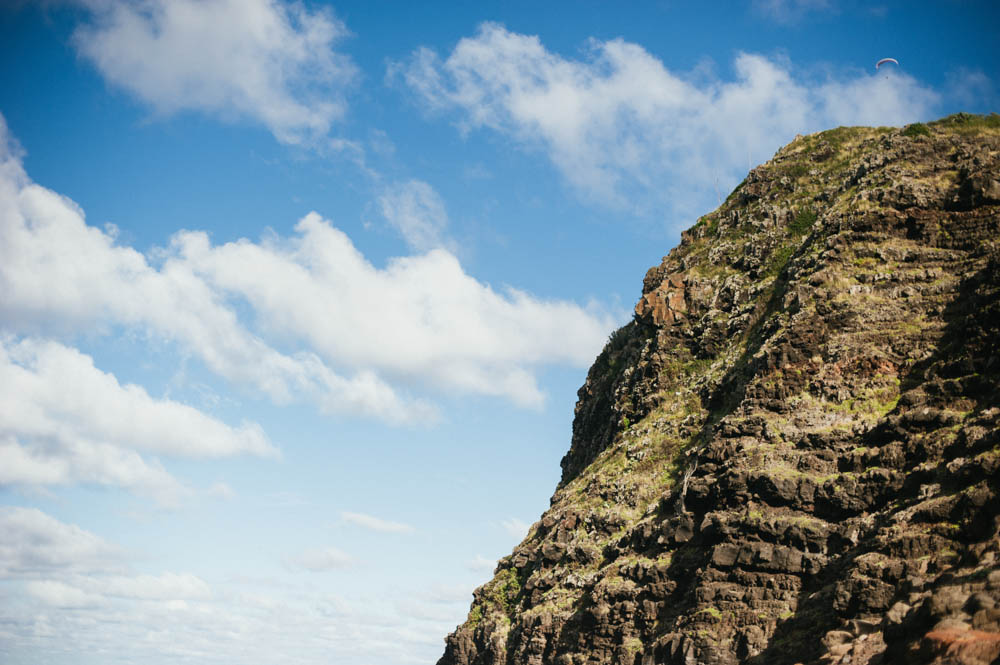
pixel 791 454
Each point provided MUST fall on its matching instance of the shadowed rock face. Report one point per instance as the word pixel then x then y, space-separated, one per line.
pixel 791 454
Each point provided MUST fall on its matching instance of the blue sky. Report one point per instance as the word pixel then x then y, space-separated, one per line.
pixel 295 298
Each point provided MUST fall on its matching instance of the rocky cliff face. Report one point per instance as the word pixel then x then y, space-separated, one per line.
pixel 791 454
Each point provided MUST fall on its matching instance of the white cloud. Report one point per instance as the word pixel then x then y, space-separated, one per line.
pixel 95 590
pixel 63 421
pixel 420 321
pixel 221 490
pixel 883 98
pixel 58 273
pixel 267 60
pixel 319 560
pixel 416 211
pixel 516 528
pixel 448 594
pixel 375 523
pixel 626 131
pixel 60 594
pixel 34 463
pixel 790 11
pixel 36 543
pixel 52 392
pixel 166 586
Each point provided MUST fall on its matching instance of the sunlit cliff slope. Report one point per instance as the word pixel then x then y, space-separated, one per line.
pixel 791 454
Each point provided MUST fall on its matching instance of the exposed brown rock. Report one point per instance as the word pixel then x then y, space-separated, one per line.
pixel 665 304
pixel 954 646
pixel 791 454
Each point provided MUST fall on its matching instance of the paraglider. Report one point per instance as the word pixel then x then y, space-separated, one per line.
pixel 884 61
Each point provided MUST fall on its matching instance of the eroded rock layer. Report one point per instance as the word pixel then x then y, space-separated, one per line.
pixel 791 454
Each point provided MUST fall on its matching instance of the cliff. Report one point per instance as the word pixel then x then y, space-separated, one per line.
pixel 790 455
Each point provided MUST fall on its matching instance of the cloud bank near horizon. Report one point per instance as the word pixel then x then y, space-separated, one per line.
pixel 70 582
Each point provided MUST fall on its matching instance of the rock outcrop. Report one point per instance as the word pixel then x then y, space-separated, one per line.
pixel 791 454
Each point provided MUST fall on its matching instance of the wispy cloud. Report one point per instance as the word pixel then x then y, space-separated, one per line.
pixel 791 11
pixel 970 86
pixel 59 594
pixel 448 594
pixel 35 543
pixel 318 560
pixel 65 422
pixel 516 528
pixel 90 591
pixel 59 274
pixel 375 523
pixel 269 61
pixel 417 212
pixel 53 392
pixel 481 564
pixel 627 132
